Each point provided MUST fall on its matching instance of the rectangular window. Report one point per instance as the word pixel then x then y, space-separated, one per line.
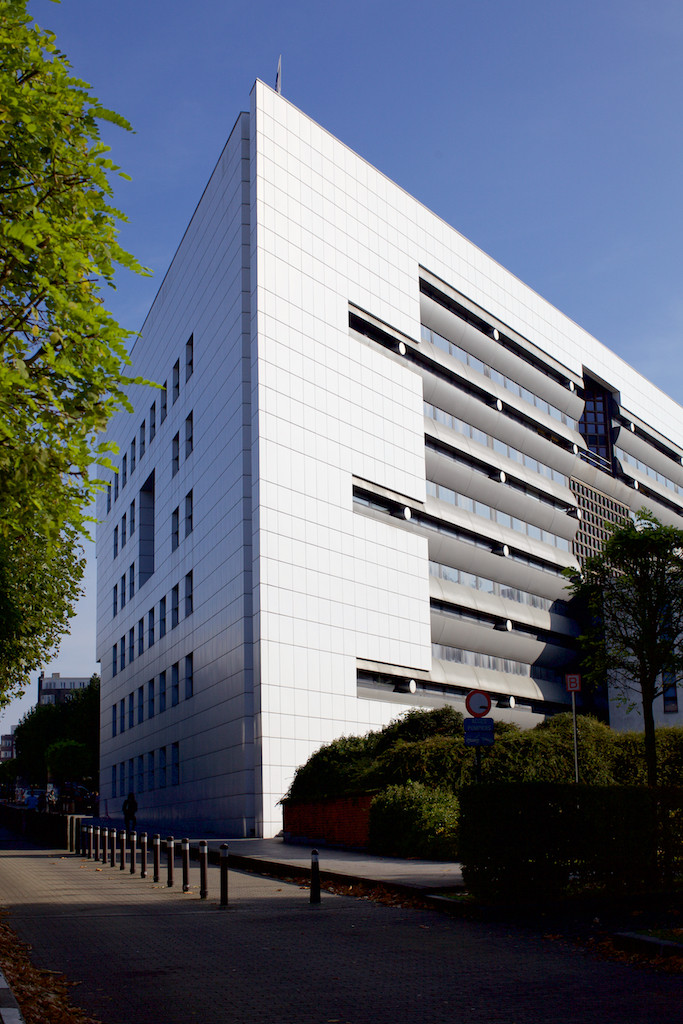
pixel 189 676
pixel 131 710
pixel 122 778
pixel 141 704
pixel 163 403
pixel 175 764
pixel 669 693
pixel 114 660
pixel 115 599
pixel 123 591
pixel 142 439
pixel 131 777
pixel 150 628
pixel 150 699
pixel 141 774
pixel 116 487
pixel 122 715
pixel 175 528
pixel 175 684
pixel 189 513
pixel 122 652
pixel 152 421
pixel 124 471
pixel 176 380
pixel 113 780
pixel 175 455
pixel 131 645
pixel 123 530
pixel 189 357
pixel 146 530
pixel 108 497
pixel 162 692
pixel 131 519
pixel 189 435
pixel 113 720
pixel 131 582
pixel 116 541
pixel 175 601
pixel 141 636
pixel 150 770
pixel 133 459
pixel 162 767
pixel 162 617
pixel 188 595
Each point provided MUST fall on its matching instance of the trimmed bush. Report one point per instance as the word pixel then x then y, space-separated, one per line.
pixel 337 769
pixel 435 761
pixel 415 821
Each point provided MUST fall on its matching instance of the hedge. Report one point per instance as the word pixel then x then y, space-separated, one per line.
pixel 415 821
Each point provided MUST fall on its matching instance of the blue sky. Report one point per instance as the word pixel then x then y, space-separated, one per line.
pixel 547 133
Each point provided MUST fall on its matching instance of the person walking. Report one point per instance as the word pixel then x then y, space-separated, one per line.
pixel 130 809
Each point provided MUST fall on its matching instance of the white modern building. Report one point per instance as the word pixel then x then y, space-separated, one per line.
pixel 373 454
pixel 56 689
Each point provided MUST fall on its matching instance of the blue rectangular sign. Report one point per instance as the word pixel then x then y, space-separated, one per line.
pixel 479 732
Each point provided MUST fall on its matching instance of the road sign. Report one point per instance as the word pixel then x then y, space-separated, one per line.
pixel 479 732
pixel 573 683
pixel 478 703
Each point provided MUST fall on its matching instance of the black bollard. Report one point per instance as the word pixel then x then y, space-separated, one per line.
pixel 90 838
pixel 133 851
pixel 185 848
pixel 224 874
pixel 143 855
pixel 156 849
pixel 82 842
pixel 112 847
pixel 315 877
pixel 122 849
pixel 105 844
pixel 97 842
pixel 170 857
pixel 203 869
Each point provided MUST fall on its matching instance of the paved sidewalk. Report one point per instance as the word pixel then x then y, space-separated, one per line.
pixel 141 953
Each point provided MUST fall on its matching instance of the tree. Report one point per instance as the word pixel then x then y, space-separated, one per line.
pixel 61 352
pixel 77 720
pixel 633 594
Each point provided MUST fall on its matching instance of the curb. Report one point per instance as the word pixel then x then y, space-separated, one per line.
pixel 9 1008
pixel 635 942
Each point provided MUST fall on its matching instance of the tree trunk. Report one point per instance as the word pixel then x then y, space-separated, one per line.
pixel 650 739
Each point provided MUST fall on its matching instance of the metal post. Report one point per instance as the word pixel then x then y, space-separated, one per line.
pixel 185 847
pixel 224 874
pixel 90 837
pixel 477 756
pixel 82 831
pixel 143 855
pixel 112 847
pixel 105 844
pixel 156 849
pixel 122 849
pixel 576 740
pixel 203 869
pixel 133 851
pixel 170 856
pixel 315 877
pixel 97 842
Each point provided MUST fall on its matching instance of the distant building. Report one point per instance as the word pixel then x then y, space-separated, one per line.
pixel 7 750
pixel 373 454
pixel 55 689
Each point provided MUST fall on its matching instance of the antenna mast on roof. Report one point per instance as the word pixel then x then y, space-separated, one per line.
pixel 278 77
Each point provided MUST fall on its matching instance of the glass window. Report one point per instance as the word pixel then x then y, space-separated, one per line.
pixel 131 645
pixel 163 403
pixel 175 601
pixel 189 513
pixel 150 627
pixel 188 595
pixel 122 715
pixel 189 357
pixel 115 599
pixel 152 421
pixel 175 764
pixel 162 617
pixel 150 770
pixel 123 530
pixel 175 455
pixel 141 704
pixel 162 767
pixel 116 487
pixel 113 780
pixel 175 684
pixel 122 778
pixel 141 773
pixel 133 460
pixel 124 471
pixel 122 652
pixel 175 528
pixel 162 692
pixel 189 676
pixel 131 581
pixel 189 435
pixel 141 439
pixel 116 541
pixel 131 519
pixel 141 636
pixel 131 710
pixel 114 660
pixel 150 699
pixel 113 719
pixel 176 380
pixel 108 497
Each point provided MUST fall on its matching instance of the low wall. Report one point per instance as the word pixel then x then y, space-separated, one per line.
pixel 341 821
pixel 55 830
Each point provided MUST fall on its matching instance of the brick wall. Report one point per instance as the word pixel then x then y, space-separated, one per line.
pixel 342 821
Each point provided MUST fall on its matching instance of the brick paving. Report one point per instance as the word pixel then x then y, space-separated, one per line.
pixel 141 953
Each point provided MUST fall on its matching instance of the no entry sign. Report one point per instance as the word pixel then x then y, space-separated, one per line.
pixel 478 703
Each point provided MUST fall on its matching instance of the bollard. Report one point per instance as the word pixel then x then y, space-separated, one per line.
pixel 122 849
pixel 82 832
pixel 170 856
pixel 185 848
pixel 97 842
pixel 143 855
pixel 105 845
pixel 156 849
pixel 133 851
pixel 112 847
pixel 315 877
pixel 203 869
pixel 224 874
pixel 90 839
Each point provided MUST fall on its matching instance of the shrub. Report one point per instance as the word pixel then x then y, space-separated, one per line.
pixel 420 724
pixel 337 769
pixel 415 821
pixel 435 761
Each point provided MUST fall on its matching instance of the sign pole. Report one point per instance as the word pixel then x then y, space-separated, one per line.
pixel 576 741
